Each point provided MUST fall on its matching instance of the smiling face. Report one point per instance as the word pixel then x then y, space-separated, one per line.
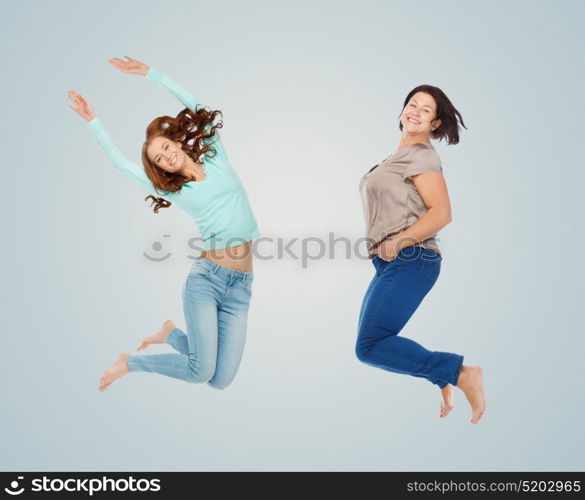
pixel 418 116
pixel 166 154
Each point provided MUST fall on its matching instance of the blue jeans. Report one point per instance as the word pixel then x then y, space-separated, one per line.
pixel 215 303
pixel 395 292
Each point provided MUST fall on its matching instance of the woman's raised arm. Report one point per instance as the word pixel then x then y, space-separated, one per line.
pixel 84 109
pixel 185 97
pixel 135 67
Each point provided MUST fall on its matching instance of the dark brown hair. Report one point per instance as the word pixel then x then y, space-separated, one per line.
pixel 446 112
pixel 188 126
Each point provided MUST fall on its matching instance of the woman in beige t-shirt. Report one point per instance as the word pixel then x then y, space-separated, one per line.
pixel 406 203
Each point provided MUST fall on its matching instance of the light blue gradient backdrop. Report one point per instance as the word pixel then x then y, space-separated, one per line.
pixel 311 92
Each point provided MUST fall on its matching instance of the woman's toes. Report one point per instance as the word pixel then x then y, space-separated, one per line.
pixel 446 409
pixel 102 388
pixel 143 344
pixel 475 420
pixel 113 373
pixel 103 384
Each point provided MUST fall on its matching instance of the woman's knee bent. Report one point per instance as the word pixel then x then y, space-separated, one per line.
pixel 221 380
pixel 362 352
pixel 199 375
pixel 219 384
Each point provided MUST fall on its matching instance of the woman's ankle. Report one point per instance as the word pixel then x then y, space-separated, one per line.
pixel 463 376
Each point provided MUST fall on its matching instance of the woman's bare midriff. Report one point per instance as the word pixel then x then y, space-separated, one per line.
pixel 238 258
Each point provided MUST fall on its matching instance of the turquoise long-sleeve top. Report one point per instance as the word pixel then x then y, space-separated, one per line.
pixel 218 205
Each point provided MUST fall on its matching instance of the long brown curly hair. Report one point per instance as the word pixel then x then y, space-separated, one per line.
pixel 188 128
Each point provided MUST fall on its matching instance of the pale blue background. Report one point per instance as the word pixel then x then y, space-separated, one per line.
pixel 311 92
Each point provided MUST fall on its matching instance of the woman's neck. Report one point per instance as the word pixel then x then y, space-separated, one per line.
pixel 191 170
pixel 409 140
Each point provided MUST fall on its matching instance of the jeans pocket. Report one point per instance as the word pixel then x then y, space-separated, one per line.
pixel 199 271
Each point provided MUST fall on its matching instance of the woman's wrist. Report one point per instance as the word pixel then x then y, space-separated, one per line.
pixel 153 75
pixel 390 247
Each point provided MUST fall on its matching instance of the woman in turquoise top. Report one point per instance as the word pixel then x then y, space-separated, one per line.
pixel 184 162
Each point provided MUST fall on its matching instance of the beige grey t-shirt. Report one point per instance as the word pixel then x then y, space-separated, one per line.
pixel 390 200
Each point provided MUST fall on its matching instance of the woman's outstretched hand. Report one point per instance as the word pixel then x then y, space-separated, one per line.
pixel 130 66
pixel 83 107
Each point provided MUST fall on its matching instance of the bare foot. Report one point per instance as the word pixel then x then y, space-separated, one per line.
pixel 471 383
pixel 446 400
pixel 159 337
pixel 117 370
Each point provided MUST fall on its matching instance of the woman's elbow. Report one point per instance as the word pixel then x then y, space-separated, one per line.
pixel 443 216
